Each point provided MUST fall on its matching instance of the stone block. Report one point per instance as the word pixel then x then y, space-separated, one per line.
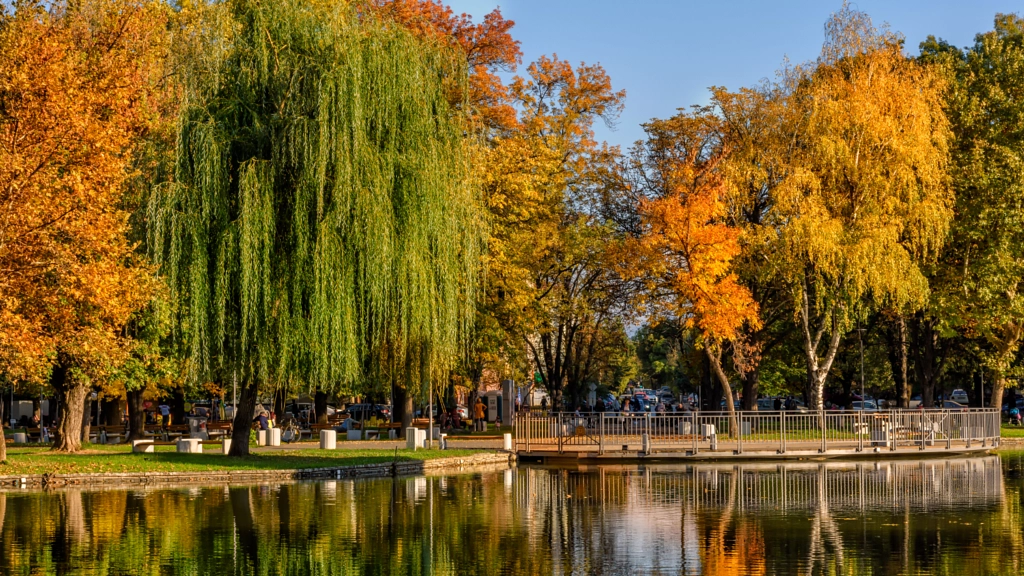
pixel 328 440
pixel 142 446
pixel 190 446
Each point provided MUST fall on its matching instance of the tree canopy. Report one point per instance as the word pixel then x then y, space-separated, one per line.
pixel 321 225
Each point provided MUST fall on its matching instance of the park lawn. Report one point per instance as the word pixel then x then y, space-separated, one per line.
pixel 1012 431
pixel 96 459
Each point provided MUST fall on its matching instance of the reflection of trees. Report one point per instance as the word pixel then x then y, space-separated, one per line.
pixel 824 531
pixel 712 520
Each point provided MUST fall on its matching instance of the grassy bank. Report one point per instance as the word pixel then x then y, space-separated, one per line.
pixel 1012 431
pixel 96 459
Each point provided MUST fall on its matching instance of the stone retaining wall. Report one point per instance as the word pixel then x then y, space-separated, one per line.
pixel 382 469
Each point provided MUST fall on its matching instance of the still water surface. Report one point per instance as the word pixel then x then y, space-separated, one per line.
pixel 959 517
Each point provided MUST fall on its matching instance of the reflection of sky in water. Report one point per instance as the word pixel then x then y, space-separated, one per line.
pixel 960 517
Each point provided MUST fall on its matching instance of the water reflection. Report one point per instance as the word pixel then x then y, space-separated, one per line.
pixel 757 519
pixel 934 517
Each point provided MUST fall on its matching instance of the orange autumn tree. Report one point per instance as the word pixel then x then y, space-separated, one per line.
pixel 685 247
pixel 75 95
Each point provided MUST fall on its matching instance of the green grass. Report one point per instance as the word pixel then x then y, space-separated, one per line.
pixel 1012 431
pixel 119 459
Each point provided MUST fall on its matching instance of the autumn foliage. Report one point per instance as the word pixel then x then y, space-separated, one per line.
pixel 76 83
pixel 687 248
pixel 487 45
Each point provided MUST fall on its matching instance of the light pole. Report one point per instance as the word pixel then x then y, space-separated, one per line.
pixel 863 399
pixel 860 338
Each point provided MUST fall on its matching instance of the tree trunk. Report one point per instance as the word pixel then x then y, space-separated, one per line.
pixel 927 364
pixel 818 367
pixel 896 338
pixel 715 356
pixel 136 416
pixel 751 385
pixel 242 423
pixel 71 394
pixel 5 411
pixel 998 385
pixel 320 407
pixel 87 418
pixel 111 409
pixel 177 405
pixel 279 399
pixel 403 408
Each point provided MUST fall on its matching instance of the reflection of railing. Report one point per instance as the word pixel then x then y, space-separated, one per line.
pixel 754 431
pixel 963 483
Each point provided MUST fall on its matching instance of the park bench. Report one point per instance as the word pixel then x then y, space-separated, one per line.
pixel 146 445
pixel 104 434
pixel 35 434
pixel 218 429
pixel 314 430
pixel 167 433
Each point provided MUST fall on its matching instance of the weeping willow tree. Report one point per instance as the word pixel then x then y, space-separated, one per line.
pixel 321 227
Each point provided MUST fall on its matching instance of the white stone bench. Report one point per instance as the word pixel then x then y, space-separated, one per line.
pixel 190 446
pixel 142 446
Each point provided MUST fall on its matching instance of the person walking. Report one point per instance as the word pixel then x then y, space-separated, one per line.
pixel 479 423
pixel 165 414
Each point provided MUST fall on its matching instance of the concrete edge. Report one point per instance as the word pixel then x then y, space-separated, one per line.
pixel 377 470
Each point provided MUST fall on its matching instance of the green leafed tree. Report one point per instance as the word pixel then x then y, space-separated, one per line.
pixel 978 283
pixel 321 226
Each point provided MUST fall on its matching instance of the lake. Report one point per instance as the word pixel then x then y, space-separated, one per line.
pixel 943 516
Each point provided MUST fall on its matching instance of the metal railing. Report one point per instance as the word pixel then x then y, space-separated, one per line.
pixel 757 431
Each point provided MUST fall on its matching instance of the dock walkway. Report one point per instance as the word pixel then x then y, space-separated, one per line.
pixel 754 435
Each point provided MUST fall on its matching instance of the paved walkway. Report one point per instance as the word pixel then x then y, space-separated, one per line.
pixel 382 444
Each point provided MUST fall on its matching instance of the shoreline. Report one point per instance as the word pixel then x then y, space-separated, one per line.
pixel 226 477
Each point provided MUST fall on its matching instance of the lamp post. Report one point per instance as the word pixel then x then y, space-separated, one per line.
pixel 860 338
pixel 863 399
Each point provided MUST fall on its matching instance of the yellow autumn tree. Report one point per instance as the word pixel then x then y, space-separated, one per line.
pixel 866 197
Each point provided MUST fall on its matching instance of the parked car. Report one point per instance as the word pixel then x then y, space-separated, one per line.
pixel 360 412
pixel 959 395
pixel 866 405
pixel 610 403
pixel 951 405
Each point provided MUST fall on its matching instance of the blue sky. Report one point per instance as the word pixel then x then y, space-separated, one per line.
pixel 667 53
